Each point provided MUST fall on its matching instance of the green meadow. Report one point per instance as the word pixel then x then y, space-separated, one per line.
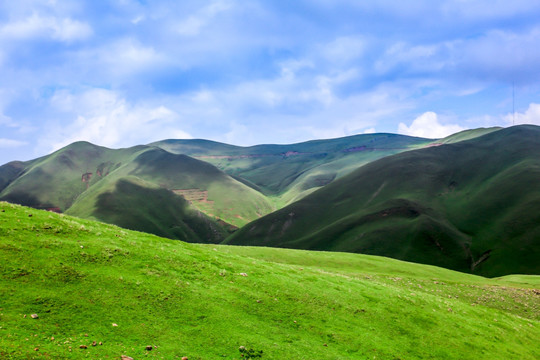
pixel 101 292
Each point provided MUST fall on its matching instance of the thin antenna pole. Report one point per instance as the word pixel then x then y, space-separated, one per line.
pixel 513 104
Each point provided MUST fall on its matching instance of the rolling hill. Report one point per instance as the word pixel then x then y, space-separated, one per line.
pixel 289 172
pixel 465 202
pixel 469 206
pixel 146 187
pixel 143 188
pixel 98 292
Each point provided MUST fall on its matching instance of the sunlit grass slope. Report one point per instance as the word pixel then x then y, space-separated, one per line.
pixel 56 180
pixel 79 179
pixel 91 283
pixel 468 206
pixel 222 196
pixel 467 135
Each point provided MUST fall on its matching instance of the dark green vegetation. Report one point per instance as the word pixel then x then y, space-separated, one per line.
pixel 142 188
pixel 289 172
pixel 467 202
pixel 469 206
pixel 145 187
pixel 205 301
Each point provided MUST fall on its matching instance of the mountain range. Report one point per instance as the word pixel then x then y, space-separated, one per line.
pixel 466 202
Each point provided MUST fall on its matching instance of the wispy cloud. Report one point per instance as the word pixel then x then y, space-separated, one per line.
pixel 193 24
pixel 104 117
pixel 259 71
pixel 37 26
pixel 10 143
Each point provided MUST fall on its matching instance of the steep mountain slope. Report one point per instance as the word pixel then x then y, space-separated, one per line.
pixel 133 203
pixel 56 180
pixel 468 206
pixel 148 184
pixel 290 172
pixel 100 292
pixel 207 188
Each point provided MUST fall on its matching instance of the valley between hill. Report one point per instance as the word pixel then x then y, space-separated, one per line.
pixel 467 206
pixel 466 202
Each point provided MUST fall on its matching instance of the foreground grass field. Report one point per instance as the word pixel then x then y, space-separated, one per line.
pixel 91 283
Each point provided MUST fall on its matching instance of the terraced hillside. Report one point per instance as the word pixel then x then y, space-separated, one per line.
pixel 469 206
pixel 98 292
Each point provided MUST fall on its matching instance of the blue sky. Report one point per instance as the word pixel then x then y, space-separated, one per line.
pixel 125 72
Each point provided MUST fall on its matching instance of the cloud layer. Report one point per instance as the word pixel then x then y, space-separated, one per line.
pixel 127 72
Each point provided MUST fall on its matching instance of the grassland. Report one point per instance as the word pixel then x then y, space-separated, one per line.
pixel 205 301
pixel 85 180
pixel 467 206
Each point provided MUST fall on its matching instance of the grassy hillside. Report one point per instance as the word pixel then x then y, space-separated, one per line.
pixel 55 181
pixel 467 135
pixel 468 206
pixel 75 178
pixel 208 189
pixel 78 177
pixel 91 283
pixel 134 204
pixel 289 172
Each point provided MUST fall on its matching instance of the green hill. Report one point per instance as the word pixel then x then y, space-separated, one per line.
pixel 143 188
pixel 101 292
pixel 56 180
pixel 289 172
pixel 468 206
pixel 132 203
pixel 467 135
pixel 92 182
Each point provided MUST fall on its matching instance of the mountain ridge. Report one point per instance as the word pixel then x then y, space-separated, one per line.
pixel 421 197
pixel 443 217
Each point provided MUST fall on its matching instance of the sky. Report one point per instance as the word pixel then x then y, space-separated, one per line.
pixel 120 73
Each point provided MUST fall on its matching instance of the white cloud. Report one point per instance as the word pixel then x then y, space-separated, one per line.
pixel 427 126
pixel 194 24
pixel 369 131
pixel 503 53
pixel 344 49
pixel 10 143
pixel 137 19
pixel 286 109
pixel 530 116
pixel 37 26
pixel 417 57
pixel 6 121
pixel 487 9
pixel 105 118
pixel 494 54
pixel 121 58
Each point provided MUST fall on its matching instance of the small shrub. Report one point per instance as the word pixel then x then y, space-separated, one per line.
pixel 250 353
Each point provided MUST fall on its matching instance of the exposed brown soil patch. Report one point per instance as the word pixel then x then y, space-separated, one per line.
pixel 194 195
pixel 86 177
pixel 250 156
